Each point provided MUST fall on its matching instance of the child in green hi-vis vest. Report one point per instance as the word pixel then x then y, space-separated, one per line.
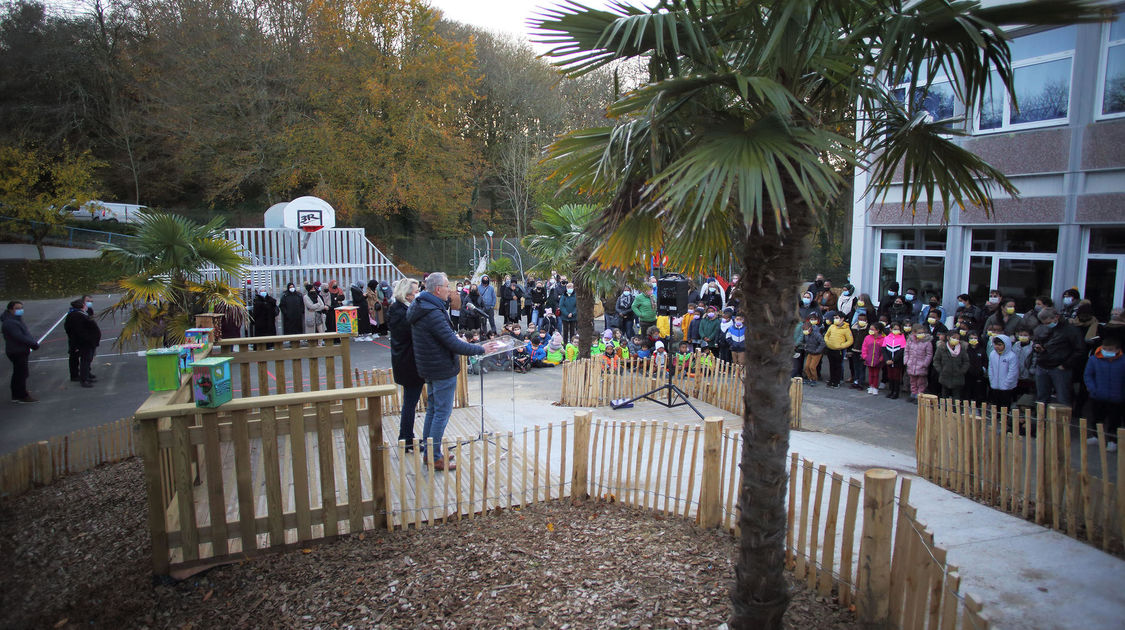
pixel 572 349
pixel 555 353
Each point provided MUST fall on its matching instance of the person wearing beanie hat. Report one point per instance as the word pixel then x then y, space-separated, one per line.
pixel 555 353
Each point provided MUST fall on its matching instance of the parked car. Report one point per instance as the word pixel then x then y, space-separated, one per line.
pixel 96 210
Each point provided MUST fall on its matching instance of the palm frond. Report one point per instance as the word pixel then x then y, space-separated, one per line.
pixel 934 167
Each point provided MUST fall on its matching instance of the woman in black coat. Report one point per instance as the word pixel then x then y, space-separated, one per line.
pixel 361 315
pixel 403 364
pixel 292 312
pixel 264 315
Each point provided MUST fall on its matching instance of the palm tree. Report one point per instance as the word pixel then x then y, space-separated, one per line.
pixel 738 138
pixel 561 241
pixel 174 269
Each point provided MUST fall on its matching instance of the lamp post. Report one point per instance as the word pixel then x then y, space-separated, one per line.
pixel 489 233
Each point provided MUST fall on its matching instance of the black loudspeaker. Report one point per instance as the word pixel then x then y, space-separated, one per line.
pixel 671 295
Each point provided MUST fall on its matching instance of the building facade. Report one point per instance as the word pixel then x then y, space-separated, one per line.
pixel 1063 147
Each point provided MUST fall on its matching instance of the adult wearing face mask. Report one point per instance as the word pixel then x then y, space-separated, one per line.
pixel 487 304
pixel 568 310
pixel 363 312
pixel 734 293
pixel 1069 305
pixel 966 308
pixel 932 309
pixel 712 296
pixel 644 308
pixel 624 308
pixel 292 311
pixel 914 303
pixel 1058 348
pixel 808 306
pixel 827 298
pixel 314 308
pixel 888 299
pixel 1031 318
pixel 538 295
pixel 83 333
pixel 992 306
pixel 18 344
pixel 333 299
pixel 264 314
pixel 1006 317
pixel 72 350
pixel 845 304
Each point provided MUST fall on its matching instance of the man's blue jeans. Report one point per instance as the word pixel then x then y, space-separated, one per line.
pixel 439 404
pixel 1047 379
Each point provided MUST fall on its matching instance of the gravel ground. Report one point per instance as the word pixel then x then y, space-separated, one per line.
pixel 76 555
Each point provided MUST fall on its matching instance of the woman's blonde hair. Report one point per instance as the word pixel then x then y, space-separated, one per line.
pixel 402 288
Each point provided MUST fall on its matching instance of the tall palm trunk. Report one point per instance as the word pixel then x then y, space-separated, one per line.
pixel 770 274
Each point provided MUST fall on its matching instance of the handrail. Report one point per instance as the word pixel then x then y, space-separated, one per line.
pixel 238 341
pixel 274 400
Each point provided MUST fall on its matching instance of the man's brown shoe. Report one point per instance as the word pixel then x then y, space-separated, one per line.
pixel 439 464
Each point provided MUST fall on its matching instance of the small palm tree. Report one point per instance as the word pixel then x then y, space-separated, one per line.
pixel 174 268
pixel 561 241
pixel 744 129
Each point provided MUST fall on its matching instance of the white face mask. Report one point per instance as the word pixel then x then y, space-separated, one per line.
pixel 292 289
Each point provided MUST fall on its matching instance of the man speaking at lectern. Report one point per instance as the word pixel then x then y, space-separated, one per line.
pixel 436 349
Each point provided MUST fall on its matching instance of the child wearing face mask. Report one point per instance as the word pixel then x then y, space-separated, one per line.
pixel 709 330
pixel 838 339
pixel 725 322
pixel 975 380
pixel 1105 379
pixel 952 364
pixel 693 329
pixel 1023 348
pixel 855 353
pixel 919 355
pixel 814 348
pixel 736 339
pixel 873 357
pixel 894 354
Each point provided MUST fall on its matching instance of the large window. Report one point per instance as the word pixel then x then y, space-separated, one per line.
pixel 914 258
pixel 1103 281
pixel 939 101
pixel 1041 66
pixel 1020 263
pixel 1111 99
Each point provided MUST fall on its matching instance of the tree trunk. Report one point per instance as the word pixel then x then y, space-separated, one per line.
pixel 585 298
pixel 760 595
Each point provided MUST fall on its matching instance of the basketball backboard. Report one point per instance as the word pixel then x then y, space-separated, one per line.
pixel 308 214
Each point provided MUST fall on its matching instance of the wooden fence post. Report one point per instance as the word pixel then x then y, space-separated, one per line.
pixel 710 499
pixel 579 487
pixel 796 400
pixel 43 469
pixel 874 584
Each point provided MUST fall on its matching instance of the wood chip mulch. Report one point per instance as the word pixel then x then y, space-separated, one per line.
pixel 76 554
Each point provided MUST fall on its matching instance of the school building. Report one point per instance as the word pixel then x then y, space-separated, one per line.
pixel 1063 148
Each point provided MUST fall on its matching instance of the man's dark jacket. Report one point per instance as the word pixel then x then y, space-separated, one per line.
pixel 81 330
pixel 1062 346
pixel 435 345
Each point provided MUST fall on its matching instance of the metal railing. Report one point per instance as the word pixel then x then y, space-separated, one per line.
pixel 14 230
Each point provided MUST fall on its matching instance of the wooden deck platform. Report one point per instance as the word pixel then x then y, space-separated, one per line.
pixel 500 472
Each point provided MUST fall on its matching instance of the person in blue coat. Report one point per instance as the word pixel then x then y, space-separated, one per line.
pixel 1105 379
pixel 487 295
pixel 436 349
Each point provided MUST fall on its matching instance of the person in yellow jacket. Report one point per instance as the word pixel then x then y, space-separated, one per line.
pixel 837 339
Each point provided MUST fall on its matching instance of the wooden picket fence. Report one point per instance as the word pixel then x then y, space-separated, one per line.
pixel 871 552
pixel 1031 463
pixel 44 461
pixel 385 376
pixel 588 383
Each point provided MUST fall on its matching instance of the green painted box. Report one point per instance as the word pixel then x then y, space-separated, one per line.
pixel 210 381
pixel 163 368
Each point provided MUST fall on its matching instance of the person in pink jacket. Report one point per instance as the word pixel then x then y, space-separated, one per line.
pixel 919 355
pixel 872 354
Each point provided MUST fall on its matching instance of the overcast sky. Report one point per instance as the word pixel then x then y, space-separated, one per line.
pixel 509 16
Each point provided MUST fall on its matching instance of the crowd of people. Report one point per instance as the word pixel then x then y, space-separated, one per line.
pixel 1054 352
pixel 988 353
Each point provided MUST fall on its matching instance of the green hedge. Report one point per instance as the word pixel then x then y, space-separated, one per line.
pixel 35 280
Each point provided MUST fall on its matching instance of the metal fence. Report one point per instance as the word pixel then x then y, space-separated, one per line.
pixel 15 231
pixel 458 255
